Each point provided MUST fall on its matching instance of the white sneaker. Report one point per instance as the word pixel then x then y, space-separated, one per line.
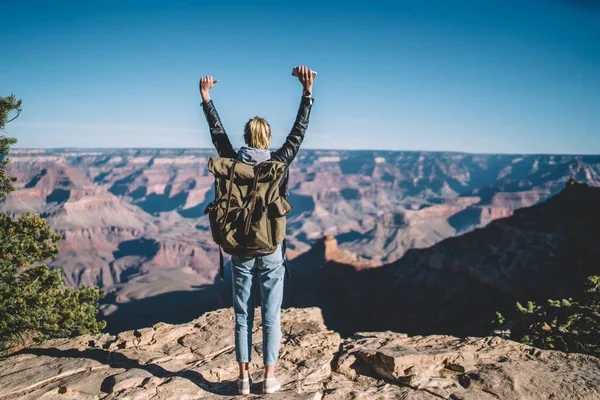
pixel 270 385
pixel 243 385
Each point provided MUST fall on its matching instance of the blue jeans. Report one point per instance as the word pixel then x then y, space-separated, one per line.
pixel 266 272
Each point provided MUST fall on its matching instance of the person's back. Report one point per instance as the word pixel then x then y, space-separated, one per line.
pixel 266 272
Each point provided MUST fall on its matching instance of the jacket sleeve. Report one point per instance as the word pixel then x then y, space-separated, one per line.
pixel 288 151
pixel 217 132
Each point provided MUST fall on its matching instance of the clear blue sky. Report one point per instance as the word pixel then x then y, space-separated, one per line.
pixel 477 76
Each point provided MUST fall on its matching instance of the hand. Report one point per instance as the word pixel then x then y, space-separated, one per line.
pixel 305 76
pixel 206 83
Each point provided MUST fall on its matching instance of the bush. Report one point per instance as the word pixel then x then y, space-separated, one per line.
pixel 571 325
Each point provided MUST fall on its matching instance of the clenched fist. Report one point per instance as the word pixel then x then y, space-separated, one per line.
pixel 306 77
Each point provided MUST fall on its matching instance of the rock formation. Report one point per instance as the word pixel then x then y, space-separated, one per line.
pixel 133 222
pixel 378 204
pixel 455 287
pixel 196 360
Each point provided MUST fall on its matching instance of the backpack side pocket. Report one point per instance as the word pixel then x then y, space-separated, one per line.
pixel 278 210
pixel 215 229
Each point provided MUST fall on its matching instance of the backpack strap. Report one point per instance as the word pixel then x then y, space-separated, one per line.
pixel 257 171
pixel 231 175
pixel 287 269
pixel 221 269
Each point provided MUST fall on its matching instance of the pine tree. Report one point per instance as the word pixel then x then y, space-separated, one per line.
pixel 7 105
pixel 34 304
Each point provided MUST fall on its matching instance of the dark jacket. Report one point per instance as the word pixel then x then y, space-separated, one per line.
pixel 285 154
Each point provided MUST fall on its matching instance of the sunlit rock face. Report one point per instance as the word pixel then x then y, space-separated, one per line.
pixel 196 360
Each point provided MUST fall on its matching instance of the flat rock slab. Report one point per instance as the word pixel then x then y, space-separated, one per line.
pixel 197 361
pixel 187 361
pixel 470 368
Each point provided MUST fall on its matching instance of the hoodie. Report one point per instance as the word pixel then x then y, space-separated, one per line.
pixel 252 155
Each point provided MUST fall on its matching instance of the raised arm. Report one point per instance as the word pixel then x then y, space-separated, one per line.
pixel 217 132
pixel 288 151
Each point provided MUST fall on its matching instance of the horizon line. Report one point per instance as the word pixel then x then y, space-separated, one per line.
pixel 310 149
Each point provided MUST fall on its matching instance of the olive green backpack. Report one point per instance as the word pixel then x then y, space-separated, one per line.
pixel 247 217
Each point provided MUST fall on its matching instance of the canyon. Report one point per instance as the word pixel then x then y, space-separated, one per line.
pixel 133 224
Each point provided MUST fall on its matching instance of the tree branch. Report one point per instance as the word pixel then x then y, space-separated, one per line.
pixel 15 117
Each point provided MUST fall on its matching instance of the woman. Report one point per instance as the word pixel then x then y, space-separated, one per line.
pixel 266 272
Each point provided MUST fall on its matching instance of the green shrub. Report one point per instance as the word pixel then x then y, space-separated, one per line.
pixel 571 325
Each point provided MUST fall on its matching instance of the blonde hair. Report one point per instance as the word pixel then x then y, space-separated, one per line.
pixel 257 133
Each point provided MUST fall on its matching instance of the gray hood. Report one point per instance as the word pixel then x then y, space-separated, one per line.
pixel 252 155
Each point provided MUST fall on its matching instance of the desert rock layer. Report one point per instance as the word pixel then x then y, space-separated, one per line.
pixel 196 360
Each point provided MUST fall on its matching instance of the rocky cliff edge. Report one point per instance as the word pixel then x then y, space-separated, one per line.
pixel 196 360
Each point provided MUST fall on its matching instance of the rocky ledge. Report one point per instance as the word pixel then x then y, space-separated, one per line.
pixel 197 361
